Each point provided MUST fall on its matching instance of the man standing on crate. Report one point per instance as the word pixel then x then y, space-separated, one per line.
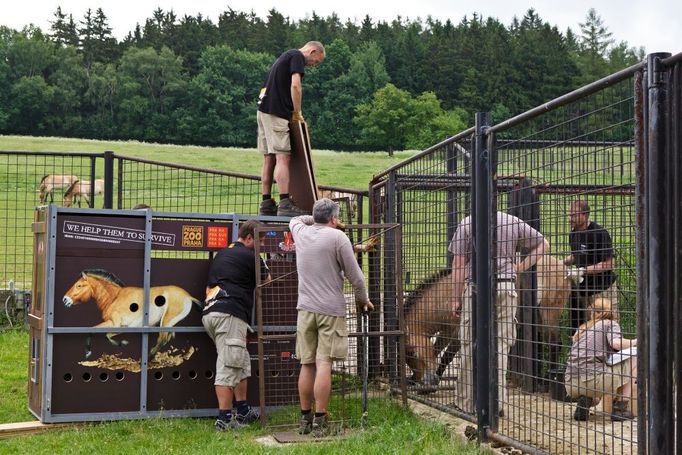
pixel 591 256
pixel 511 233
pixel 280 102
pixel 324 256
pixel 227 312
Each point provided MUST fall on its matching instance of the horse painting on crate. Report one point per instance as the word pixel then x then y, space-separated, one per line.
pixel 433 330
pixel 51 182
pixel 121 306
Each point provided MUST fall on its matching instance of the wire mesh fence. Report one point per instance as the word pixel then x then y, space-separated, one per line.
pixel 370 375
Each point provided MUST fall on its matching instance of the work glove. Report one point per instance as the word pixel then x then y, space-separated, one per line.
pixel 364 307
pixel 367 246
pixel 296 116
pixel 575 274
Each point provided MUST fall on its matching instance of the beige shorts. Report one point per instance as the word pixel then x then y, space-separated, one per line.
pixel 320 337
pixel 229 335
pixel 273 134
pixel 613 378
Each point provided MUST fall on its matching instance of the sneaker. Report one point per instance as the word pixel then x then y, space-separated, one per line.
pixel 268 208
pixel 582 410
pixel 252 415
pixel 224 425
pixel 306 424
pixel 288 208
pixel 320 427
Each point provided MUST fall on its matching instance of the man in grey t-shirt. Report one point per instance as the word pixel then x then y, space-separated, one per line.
pixel 511 233
pixel 324 256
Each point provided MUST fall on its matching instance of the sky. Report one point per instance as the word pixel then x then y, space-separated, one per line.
pixel 654 24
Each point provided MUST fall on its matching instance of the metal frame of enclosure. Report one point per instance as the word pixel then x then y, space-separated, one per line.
pixel 127 182
pixel 614 143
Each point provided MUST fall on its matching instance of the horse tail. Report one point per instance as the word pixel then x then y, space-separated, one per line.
pixel 70 189
pixel 198 304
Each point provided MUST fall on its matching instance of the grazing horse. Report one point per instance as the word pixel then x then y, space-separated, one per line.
pixel 51 182
pixel 121 306
pixel 81 189
pixel 428 314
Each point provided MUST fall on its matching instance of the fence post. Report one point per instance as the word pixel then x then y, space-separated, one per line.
pixel 484 352
pixel 393 210
pixel 108 179
pixel 659 207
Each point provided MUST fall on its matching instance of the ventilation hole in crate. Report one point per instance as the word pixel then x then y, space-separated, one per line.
pixel 158 375
pixel 192 374
pixel 134 307
pixel 208 374
pixel 68 377
pixel 175 375
pixel 87 377
pixel 104 377
pixel 257 373
pixel 159 300
pixel 274 373
pixel 120 376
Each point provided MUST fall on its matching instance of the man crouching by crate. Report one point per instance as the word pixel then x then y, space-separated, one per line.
pixel 229 303
pixel 324 255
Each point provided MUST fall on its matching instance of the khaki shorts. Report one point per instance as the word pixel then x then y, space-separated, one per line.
pixel 320 337
pixel 229 335
pixel 608 382
pixel 273 134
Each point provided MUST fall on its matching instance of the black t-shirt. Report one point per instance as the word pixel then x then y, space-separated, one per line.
pixel 275 98
pixel 234 270
pixel 589 247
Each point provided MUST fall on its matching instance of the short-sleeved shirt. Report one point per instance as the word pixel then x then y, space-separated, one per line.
pixel 275 97
pixel 234 270
pixel 324 257
pixel 511 233
pixel 589 247
pixel 588 355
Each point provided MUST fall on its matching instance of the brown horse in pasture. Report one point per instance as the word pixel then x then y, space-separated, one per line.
pixel 121 306
pixel 433 331
pixel 51 182
pixel 80 189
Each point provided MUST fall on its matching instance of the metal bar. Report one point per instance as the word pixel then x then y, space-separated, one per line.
pixel 64 154
pixel 190 168
pixel 569 97
pixel 144 356
pixel 525 448
pixel 389 300
pixel 108 180
pixel 482 314
pixel 119 191
pixel 672 60
pixel 93 175
pixel 660 393
pixel 641 252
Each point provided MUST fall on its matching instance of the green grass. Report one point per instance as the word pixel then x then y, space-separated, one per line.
pixel 391 429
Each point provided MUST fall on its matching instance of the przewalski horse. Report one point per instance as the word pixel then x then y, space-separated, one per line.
pixel 50 182
pixel 428 315
pixel 121 306
pixel 80 189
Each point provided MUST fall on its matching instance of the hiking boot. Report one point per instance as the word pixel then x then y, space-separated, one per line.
pixel 288 208
pixel 252 415
pixel 268 208
pixel 582 410
pixel 621 411
pixel 224 425
pixel 320 427
pixel 306 424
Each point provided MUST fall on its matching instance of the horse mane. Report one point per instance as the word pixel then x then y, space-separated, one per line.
pixel 44 177
pixel 70 188
pixel 105 275
pixel 414 295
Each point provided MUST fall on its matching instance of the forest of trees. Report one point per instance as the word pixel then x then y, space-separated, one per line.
pixel 384 85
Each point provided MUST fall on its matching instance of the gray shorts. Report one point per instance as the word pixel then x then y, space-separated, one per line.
pixel 229 335
pixel 273 134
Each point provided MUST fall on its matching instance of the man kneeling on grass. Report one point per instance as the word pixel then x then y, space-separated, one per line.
pixel 229 303
pixel 324 255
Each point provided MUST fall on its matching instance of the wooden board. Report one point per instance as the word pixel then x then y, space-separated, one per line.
pixel 10 430
pixel 302 185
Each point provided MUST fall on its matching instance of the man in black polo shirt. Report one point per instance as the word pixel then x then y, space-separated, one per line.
pixel 229 303
pixel 280 102
pixel 592 252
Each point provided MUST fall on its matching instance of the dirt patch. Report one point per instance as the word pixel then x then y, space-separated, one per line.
pixel 170 358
